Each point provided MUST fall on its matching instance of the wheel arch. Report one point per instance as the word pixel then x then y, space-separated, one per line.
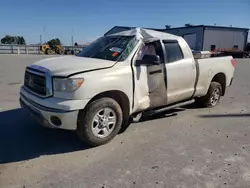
pixel 220 78
pixel 120 97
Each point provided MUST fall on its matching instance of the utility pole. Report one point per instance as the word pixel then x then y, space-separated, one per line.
pixel 72 37
pixel 44 32
pixel 41 41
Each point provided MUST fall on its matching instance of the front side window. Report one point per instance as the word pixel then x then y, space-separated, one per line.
pixel 113 48
pixel 173 51
pixel 148 49
pixel 153 48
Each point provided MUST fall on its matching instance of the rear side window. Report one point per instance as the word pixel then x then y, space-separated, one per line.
pixel 173 51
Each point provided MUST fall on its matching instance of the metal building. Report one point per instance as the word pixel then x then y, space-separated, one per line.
pixel 204 37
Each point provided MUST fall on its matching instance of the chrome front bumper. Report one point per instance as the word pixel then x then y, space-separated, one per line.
pixel 47 116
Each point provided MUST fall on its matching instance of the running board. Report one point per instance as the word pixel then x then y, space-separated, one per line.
pixel 152 112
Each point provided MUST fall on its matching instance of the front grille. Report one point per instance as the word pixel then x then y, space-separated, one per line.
pixel 35 82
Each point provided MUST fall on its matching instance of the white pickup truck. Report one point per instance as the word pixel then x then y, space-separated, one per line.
pixel 118 78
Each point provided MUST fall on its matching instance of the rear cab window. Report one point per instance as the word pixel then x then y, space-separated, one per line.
pixel 173 51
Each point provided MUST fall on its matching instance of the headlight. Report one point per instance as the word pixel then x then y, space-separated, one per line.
pixel 67 84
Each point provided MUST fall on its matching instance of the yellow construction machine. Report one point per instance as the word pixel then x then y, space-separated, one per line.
pixel 56 49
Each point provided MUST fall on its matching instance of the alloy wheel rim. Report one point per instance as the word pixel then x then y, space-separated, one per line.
pixel 104 122
pixel 215 96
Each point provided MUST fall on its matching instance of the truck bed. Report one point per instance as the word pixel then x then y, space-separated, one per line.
pixel 210 67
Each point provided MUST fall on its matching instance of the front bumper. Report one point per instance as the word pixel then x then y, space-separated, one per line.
pixel 68 120
pixel 66 117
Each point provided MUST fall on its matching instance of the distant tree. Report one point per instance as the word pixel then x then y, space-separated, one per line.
pixel 18 39
pixel 54 42
pixel 6 40
pixel 21 40
pixel 13 40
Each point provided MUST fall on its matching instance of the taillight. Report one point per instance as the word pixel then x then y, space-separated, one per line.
pixel 233 62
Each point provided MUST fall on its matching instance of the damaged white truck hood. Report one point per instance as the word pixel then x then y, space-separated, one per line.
pixel 66 65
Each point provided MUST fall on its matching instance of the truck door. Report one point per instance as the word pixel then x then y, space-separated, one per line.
pixel 150 86
pixel 180 71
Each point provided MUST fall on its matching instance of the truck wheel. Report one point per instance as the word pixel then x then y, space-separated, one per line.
pixel 213 95
pixel 100 122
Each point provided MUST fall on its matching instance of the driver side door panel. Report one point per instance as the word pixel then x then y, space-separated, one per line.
pixel 156 86
pixel 150 87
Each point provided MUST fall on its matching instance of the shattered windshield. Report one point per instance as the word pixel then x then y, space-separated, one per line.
pixel 113 48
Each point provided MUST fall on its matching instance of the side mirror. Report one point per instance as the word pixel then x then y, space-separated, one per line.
pixel 149 60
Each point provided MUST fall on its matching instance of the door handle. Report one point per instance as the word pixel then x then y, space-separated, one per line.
pixel 155 72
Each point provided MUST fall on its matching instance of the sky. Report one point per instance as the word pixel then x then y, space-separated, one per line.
pixel 88 20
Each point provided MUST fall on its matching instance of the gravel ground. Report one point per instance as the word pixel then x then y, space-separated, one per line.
pixel 184 148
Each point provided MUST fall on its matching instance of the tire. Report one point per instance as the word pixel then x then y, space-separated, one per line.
pixel 212 98
pixel 92 131
pixel 49 52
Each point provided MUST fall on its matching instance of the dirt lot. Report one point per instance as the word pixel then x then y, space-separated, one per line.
pixel 185 148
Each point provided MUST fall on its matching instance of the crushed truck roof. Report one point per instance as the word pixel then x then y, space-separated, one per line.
pixel 147 34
